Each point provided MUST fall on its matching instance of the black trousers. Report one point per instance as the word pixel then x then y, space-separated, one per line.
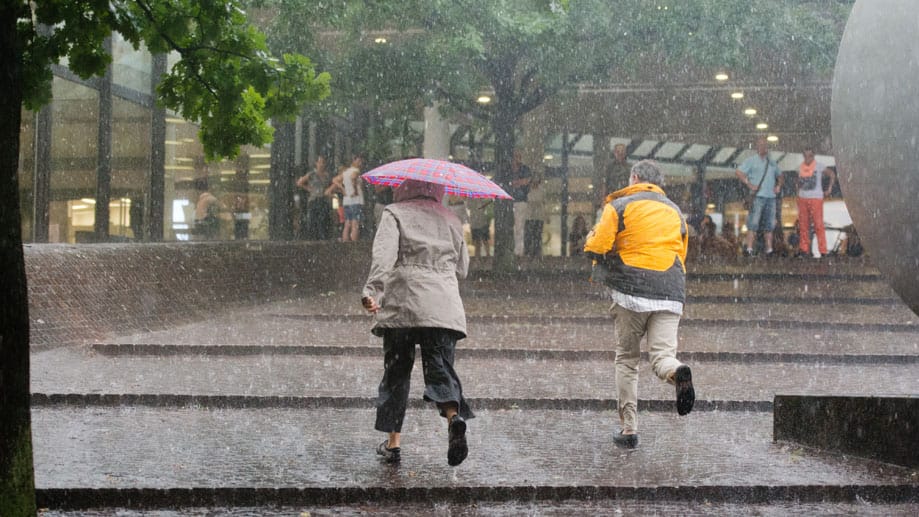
pixel 318 220
pixel 532 238
pixel 442 385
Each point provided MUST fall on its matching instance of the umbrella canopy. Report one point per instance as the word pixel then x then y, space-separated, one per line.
pixel 458 180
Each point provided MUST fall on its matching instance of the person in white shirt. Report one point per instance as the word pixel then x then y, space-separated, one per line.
pixel 349 181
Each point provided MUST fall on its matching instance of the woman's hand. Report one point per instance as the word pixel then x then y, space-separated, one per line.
pixel 370 304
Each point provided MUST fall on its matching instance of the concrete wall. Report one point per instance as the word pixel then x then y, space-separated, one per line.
pixel 880 428
pixel 83 293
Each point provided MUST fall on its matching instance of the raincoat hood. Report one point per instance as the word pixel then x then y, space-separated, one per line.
pixel 634 189
pixel 411 189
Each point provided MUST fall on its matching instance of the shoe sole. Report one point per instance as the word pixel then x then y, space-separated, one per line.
pixel 458 449
pixel 685 393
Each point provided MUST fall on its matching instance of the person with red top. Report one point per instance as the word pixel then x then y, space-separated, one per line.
pixel 810 202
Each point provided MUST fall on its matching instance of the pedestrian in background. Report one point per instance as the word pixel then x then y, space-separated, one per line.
pixel 810 202
pixel 352 198
pixel 519 189
pixel 763 178
pixel 316 223
pixel 639 250
pixel 536 215
pixel 480 215
pixel 418 255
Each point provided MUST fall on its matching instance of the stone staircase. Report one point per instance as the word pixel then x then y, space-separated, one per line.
pixel 268 408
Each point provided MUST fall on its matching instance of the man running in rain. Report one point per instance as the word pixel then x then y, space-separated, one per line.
pixel 639 249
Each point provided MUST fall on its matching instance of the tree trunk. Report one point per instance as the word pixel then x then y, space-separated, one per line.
pixel 503 126
pixel 17 481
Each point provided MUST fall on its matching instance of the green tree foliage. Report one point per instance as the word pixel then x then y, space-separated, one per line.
pixel 527 51
pixel 226 79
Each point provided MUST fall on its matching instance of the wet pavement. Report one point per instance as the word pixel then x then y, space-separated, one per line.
pixel 268 404
pixel 308 375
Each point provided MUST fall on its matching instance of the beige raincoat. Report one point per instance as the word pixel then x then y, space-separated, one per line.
pixel 418 254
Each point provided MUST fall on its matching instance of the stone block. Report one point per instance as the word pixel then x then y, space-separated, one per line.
pixel 881 428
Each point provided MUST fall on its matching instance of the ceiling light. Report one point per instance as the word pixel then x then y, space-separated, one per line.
pixel 78 207
pixel 749 112
pixel 547 157
pixel 737 95
pixel 483 99
pixel 380 40
pixel 88 200
pixel 721 77
pixel 772 138
pixel 762 125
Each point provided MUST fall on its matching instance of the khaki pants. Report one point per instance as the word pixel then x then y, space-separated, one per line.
pixel 520 216
pixel 661 331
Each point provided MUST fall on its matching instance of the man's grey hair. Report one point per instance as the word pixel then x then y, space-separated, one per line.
pixel 647 171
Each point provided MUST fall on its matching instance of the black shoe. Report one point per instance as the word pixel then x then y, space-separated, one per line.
pixel 393 455
pixel 802 255
pixel 747 252
pixel 685 394
pixel 457 450
pixel 625 441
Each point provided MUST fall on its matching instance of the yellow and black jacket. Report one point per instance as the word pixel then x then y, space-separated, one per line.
pixel 640 244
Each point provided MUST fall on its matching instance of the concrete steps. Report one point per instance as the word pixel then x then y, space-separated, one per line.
pixel 267 409
pixel 328 454
pixel 591 377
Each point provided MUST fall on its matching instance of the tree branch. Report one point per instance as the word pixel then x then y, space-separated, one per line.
pixel 463 104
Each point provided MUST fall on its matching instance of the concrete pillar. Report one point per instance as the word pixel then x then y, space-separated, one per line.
pixel 603 155
pixel 41 175
pixel 436 134
pixel 155 191
pixel 298 141
pixel 104 152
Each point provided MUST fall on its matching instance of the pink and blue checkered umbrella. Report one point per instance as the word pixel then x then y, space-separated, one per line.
pixel 457 179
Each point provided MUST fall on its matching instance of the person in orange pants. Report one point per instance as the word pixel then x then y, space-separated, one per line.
pixel 810 202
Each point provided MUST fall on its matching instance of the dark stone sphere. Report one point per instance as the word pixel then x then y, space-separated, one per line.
pixel 875 118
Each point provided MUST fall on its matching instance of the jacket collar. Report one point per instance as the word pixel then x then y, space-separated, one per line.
pixel 635 189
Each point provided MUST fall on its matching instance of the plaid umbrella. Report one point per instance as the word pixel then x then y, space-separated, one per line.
pixel 457 179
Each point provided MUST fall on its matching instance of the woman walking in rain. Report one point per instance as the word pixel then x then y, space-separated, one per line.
pixel 412 289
